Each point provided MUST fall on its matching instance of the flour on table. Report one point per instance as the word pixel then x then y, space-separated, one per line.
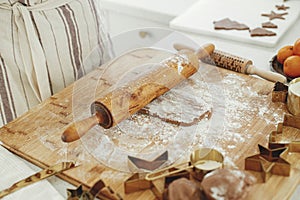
pixel 195 104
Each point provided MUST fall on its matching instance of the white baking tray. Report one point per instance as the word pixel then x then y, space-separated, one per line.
pixel 199 19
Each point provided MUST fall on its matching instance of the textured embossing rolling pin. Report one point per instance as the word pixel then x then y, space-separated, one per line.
pixel 127 100
pixel 236 63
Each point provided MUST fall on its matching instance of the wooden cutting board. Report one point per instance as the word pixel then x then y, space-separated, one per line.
pixel 251 116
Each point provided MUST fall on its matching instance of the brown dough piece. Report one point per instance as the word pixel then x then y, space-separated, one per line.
pixel 269 25
pixel 282 7
pixel 261 32
pixel 228 24
pixel 184 189
pixel 227 184
pixel 274 15
pixel 179 107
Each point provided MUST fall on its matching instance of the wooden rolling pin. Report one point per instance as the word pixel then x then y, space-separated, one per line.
pixel 127 100
pixel 236 63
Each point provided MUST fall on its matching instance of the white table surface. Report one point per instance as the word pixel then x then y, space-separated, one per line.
pixel 258 54
pixel 157 10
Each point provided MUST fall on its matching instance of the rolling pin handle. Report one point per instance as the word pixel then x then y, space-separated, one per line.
pixel 268 75
pixel 77 129
pixel 205 51
pixel 202 52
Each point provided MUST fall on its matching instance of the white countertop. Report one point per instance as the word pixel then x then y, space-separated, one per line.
pixel 156 10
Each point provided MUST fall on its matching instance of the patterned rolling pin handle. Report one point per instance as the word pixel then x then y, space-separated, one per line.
pixel 228 61
pixel 236 63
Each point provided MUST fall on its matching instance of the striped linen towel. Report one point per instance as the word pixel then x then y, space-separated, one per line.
pixel 44 47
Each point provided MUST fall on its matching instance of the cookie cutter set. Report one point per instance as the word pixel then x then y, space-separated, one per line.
pixel 202 161
pixel 285 139
pixel 273 160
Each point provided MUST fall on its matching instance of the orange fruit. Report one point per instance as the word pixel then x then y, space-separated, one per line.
pixel 291 66
pixel 284 53
pixel 296 49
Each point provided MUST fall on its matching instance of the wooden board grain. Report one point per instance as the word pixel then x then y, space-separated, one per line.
pixel 35 136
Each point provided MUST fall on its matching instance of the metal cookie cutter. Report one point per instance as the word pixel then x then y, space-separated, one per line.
pixel 268 162
pixel 287 134
pixel 137 182
pixel 138 164
pixel 99 189
pixel 280 92
pixel 202 161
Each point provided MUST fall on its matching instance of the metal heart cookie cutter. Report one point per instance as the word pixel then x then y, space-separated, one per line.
pixel 202 160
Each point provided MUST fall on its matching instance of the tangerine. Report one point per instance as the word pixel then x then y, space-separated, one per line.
pixel 284 53
pixel 291 66
pixel 296 49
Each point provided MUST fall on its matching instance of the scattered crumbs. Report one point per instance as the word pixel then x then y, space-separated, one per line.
pixel 229 163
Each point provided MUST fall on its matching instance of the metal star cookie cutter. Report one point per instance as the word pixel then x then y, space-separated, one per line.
pixel 99 189
pixel 287 134
pixel 137 164
pixel 268 162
